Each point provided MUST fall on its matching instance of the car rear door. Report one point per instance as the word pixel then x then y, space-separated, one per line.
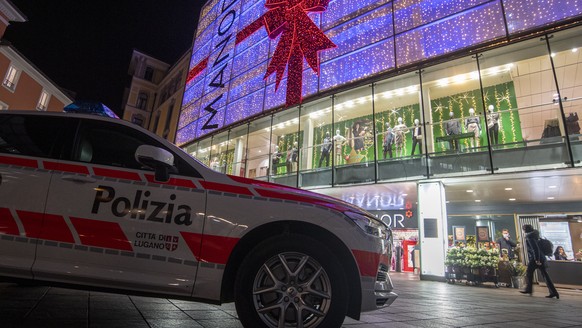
pixel 27 142
pixel 128 231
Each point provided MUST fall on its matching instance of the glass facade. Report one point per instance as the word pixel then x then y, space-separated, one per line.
pixel 246 61
pixel 514 108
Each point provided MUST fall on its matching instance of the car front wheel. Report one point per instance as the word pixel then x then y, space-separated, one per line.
pixel 291 281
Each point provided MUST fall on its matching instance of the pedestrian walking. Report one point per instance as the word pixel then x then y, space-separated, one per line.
pixel 536 260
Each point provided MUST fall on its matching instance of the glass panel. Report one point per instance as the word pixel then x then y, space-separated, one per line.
pixel 398 139
pixel 456 142
pixel 287 139
pixel 567 47
pixel 259 146
pixel 203 152
pixel 524 119
pixel 237 143
pixel 353 119
pixel 316 151
pixel 220 152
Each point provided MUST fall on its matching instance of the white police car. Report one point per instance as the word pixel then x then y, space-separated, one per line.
pixel 100 203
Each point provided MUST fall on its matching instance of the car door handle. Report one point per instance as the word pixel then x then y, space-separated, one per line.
pixel 78 178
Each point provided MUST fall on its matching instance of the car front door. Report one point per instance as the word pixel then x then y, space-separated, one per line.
pixel 128 231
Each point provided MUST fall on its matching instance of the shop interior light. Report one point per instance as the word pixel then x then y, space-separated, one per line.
pixel 574 49
pixel 553 54
pixel 512 199
pixel 349 104
pixel 443 82
pixel 508 188
pixel 459 79
pixel 477 201
pixel 552 187
pixel 550 198
pixel 474 76
pixel 404 195
pixel 469 190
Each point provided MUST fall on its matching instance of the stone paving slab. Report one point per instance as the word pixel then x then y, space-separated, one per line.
pixel 420 304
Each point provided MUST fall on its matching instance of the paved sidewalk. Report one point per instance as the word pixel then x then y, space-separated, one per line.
pixel 420 304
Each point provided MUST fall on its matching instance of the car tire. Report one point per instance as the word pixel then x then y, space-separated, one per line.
pixel 296 273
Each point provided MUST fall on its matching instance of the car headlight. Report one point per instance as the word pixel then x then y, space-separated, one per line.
pixel 370 225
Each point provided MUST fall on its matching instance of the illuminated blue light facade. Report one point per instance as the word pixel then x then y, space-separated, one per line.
pixel 372 37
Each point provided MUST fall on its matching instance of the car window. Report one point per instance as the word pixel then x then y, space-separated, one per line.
pixel 106 143
pixel 31 135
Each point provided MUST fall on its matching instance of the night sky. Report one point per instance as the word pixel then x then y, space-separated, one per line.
pixel 85 45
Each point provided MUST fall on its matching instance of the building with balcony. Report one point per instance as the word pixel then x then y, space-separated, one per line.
pixel 24 86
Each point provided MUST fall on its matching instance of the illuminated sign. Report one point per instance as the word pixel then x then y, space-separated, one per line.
pixel 252 56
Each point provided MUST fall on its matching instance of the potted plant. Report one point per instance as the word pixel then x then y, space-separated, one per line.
pixel 517 271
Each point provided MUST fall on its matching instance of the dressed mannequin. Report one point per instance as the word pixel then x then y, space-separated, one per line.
pixel 358 132
pixel 325 150
pixel 276 159
pixel 400 131
pixel 292 155
pixel 452 127
pixel 339 142
pixel 416 137
pixel 215 164
pixel 493 125
pixel 473 124
pixel 388 141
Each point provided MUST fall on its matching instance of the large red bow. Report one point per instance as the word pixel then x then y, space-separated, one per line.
pixel 300 38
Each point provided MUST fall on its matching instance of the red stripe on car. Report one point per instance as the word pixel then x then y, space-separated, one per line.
pixel 7 224
pixel 18 161
pixel 172 182
pixel 101 234
pixel 72 168
pixel 216 249
pixel 117 174
pixel 226 188
pixel 49 226
pixel 367 262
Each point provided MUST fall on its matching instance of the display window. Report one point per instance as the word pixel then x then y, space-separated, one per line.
pixel 353 117
pixel 220 153
pixel 397 104
pixel 566 49
pixel 316 156
pixel 287 141
pixel 259 146
pixel 236 163
pixel 523 113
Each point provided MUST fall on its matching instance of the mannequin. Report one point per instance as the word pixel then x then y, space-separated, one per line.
pixel 473 124
pixel 325 150
pixel 275 159
pixel 388 141
pixel 493 125
pixel 416 137
pixel 292 157
pixel 400 131
pixel 358 132
pixel 339 142
pixel 215 164
pixel 452 127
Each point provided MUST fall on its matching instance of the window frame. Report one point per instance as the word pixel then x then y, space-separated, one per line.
pixel 11 78
pixel 40 106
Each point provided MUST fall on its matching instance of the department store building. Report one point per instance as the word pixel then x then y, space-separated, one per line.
pixel 429 114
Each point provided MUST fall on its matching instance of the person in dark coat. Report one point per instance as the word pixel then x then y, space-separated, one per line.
pixel 536 260
pixel 506 243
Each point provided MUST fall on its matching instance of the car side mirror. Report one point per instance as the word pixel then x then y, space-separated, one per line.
pixel 158 159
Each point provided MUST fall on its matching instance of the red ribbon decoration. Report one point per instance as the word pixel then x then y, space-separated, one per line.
pixel 300 38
